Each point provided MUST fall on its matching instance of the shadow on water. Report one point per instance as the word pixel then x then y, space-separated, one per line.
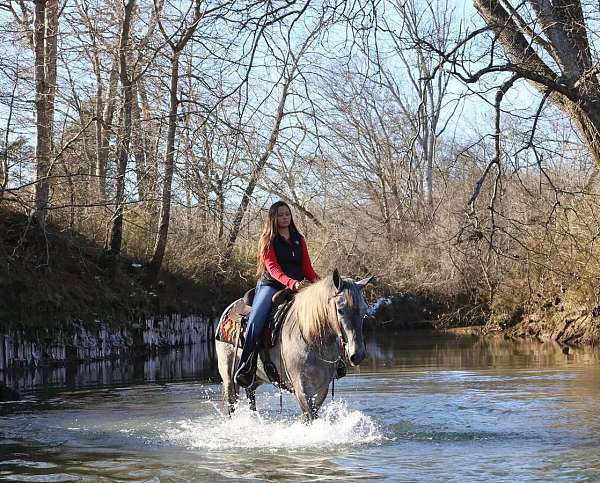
pixel 190 362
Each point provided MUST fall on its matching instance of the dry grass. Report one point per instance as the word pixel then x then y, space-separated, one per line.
pixel 543 257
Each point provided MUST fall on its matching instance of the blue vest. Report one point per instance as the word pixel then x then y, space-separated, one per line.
pixel 289 257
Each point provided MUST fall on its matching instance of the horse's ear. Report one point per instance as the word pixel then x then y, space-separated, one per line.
pixel 363 283
pixel 337 280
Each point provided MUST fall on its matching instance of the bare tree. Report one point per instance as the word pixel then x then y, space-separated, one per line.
pixel 130 71
pixel 106 96
pixel 433 21
pixel 6 142
pixel 177 45
pixel 548 44
pixel 45 39
pixel 116 232
pixel 291 72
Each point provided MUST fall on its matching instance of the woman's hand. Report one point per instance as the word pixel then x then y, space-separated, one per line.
pixel 301 285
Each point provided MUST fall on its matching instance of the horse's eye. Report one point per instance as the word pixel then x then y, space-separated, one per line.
pixel 340 311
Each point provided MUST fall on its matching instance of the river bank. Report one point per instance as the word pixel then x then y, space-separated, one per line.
pixel 581 328
pixel 57 275
pixel 60 305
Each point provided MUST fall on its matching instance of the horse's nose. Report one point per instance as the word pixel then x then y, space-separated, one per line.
pixel 357 357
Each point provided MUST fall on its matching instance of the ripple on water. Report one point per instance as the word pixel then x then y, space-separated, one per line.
pixel 246 429
pixel 27 464
pixel 17 469
pixel 409 431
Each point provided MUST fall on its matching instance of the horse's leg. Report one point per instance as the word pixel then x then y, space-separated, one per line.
pixel 229 396
pixel 319 398
pixel 226 360
pixel 305 395
pixel 251 395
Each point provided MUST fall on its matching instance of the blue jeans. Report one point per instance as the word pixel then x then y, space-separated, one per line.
pixel 261 306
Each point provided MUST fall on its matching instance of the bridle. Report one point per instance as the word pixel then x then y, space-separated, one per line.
pixel 338 328
pixel 341 337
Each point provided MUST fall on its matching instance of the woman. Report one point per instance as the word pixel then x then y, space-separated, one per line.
pixel 283 261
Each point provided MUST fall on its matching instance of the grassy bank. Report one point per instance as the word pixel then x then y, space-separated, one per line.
pixel 57 275
pixel 60 275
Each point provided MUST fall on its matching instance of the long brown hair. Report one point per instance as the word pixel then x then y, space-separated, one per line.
pixel 269 233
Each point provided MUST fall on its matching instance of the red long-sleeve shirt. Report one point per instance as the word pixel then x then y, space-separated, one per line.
pixel 274 269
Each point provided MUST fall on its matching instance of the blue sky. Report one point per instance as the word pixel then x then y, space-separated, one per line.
pixel 475 115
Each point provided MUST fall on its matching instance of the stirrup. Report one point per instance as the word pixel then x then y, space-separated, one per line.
pixel 244 379
pixel 246 373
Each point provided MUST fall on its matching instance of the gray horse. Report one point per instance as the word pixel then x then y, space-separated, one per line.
pixel 325 320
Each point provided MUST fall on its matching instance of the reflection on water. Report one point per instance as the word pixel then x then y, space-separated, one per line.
pixel 186 362
pixel 424 407
pixel 431 349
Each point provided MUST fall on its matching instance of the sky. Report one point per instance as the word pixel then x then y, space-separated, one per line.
pixel 475 115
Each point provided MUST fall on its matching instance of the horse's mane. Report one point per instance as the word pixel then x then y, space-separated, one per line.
pixel 311 306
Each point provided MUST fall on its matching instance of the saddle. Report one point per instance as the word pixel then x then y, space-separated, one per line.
pixel 233 324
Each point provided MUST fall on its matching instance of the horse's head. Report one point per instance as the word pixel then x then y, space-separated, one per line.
pixel 350 308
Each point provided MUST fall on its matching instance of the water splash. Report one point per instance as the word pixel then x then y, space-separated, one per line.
pixel 246 429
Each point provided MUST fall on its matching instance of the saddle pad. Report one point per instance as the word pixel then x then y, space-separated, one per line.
pixel 237 317
pixel 228 331
pixel 233 323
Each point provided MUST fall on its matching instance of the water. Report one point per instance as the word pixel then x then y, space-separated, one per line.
pixel 424 407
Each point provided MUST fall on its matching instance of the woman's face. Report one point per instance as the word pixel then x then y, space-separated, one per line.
pixel 284 217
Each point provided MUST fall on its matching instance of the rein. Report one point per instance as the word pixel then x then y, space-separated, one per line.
pixel 339 331
pixel 341 336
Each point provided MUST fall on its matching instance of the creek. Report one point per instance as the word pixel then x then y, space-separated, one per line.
pixel 423 407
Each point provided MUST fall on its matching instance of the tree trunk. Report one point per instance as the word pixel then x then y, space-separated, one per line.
pixel 45 25
pixel 105 122
pixel 4 166
pixel 116 232
pixel 98 110
pixel 165 208
pixel 151 174
pixel 139 151
pixel 51 54
pixel 220 208
pixel 587 117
